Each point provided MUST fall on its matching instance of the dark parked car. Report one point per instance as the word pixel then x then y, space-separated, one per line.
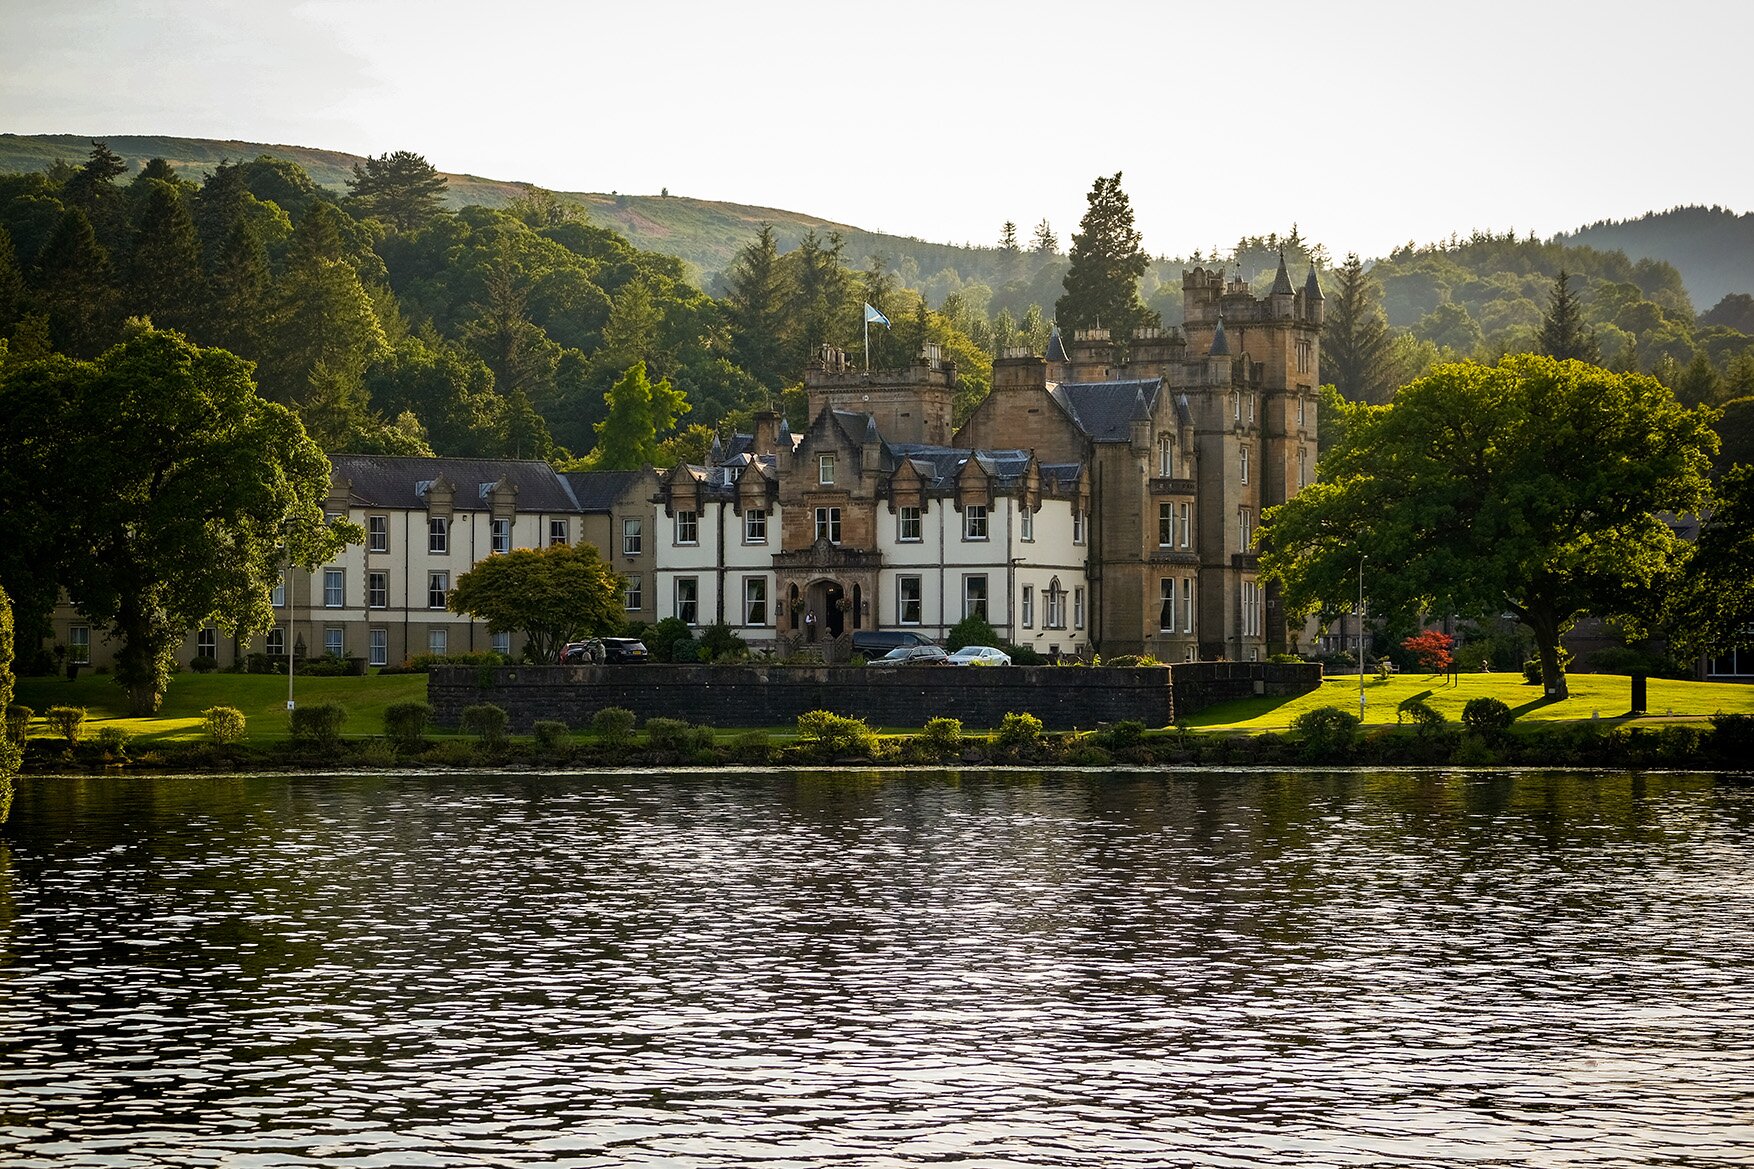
pixel 874 643
pixel 604 650
pixel 913 655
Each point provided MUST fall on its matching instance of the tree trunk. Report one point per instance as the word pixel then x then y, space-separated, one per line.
pixel 1546 629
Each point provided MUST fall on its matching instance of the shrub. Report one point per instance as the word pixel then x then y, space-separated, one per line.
pixel 70 721
pixel 454 753
pixel 752 747
pixel 971 630
pixel 1532 667
pixel 1130 661
pixel 942 737
pixel 1487 717
pixel 224 725
pixel 666 734
pixel 550 733
pixel 1420 713
pixel 836 734
pixel 613 725
pixel 204 664
pixel 319 725
pixel 1019 731
pixel 114 741
pixel 719 644
pixel 405 724
pixel 376 753
pixel 486 722
pixel 1327 731
pixel 665 635
pixel 1732 738
pixel 1023 655
pixel 1126 733
pixel 18 721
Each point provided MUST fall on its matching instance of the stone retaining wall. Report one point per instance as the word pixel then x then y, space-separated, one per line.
pixel 755 695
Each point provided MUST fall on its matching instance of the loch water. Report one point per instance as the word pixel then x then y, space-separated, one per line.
pixel 850 968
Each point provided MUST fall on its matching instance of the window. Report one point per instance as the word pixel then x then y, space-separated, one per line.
pixel 437 585
pixel 908 600
pixel 1302 468
pixel 1251 407
pixel 277 597
pixel 378 648
pixel 1026 522
pixel 1077 608
pixel 1166 605
pixel 207 643
pixel 1166 524
pixel 276 644
pixel 1245 464
pixel 1185 518
pixel 502 535
pixel 332 641
pixel 1300 401
pixel 755 600
pixel 1165 455
pixel 1235 406
pixel 1028 607
pixel 907 524
pixel 1245 528
pixel 1251 610
pixel 828 524
pixel 1056 610
pixel 825 470
pixel 1305 351
pixel 438 641
pixel 502 644
pixel 378 532
pixel 1077 525
pixel 632 599
pixel 334 588
pixel 755 526
pixel 630 537
pixel 377 590
pixel 1187 604
pixel 687 527
pixel 974 522
pixel 557 532
pixel 687 599
pixel 974 595
pixel 438 534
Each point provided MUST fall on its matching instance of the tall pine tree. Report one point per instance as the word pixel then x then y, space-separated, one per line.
pixel 1357 351
pixel 1563 334
pixel 1102 285
pixel 756 308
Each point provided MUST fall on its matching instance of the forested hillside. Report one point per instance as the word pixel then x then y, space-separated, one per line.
pixel 1713 248
pixel 398 320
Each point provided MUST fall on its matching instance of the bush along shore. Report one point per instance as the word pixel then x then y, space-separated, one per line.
pixel 1486 735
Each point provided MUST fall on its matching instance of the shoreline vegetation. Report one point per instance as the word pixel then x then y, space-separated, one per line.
pixel 382 721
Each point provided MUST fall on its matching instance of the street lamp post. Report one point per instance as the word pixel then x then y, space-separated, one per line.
pixel 286 641
pixel 1361 559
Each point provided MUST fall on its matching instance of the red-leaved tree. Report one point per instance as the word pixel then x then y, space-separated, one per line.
pixel 1432 648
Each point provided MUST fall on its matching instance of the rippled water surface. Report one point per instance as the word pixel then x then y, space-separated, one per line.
pixel 845 969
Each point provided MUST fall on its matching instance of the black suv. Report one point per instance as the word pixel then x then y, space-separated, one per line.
pixel 874 643
pixel 604 650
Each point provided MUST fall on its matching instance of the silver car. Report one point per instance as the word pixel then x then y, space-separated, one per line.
pixel 979 655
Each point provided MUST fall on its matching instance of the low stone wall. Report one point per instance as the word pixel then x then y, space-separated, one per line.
pixel 756 695
pixel 1199 685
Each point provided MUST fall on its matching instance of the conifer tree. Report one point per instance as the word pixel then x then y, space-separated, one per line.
pixel 1102 285
pixel 756 308
pixel 1044 242
pixel 1563 334
pixel 1357 350
pixel 403 189
pixel 164 266
pixel 1008 237
pixel 641 412
pixel 11 284
pixel 73 285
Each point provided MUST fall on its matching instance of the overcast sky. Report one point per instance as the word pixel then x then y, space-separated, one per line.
pixel 1367 124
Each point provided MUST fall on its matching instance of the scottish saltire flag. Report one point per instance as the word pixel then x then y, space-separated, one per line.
pixel 873 316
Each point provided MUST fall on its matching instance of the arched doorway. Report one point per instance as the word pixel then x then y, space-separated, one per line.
pixel 823 609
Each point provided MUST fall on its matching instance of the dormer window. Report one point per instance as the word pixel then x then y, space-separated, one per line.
pixel 825 470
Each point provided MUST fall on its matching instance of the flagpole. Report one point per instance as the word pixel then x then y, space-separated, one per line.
pixel 867 342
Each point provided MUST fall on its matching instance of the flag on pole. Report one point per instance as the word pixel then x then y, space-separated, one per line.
pixel 872 315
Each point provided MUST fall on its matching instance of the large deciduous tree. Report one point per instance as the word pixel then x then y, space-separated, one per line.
pixel 551 595
pixel 402 189
pixel 180 493
pixel 1102 285
pixel 1713 611
pixel 641 413
pixel 1533 487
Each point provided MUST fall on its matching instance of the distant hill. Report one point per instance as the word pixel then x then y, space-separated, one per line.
pixel 1713 248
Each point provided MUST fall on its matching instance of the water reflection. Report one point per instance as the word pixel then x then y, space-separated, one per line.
pixel 843 968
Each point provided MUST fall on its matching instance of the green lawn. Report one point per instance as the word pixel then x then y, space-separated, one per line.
pixel 262 698
pixel 1607 695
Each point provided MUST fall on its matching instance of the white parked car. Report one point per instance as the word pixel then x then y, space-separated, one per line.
pixel 979 655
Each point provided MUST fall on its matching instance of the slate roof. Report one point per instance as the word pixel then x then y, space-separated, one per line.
pixel 1106 410
pixel 1056 346
pixel 400 481
pixel 598 490
pixel 1312 288
pixel 1282 281
pixel 1220 343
